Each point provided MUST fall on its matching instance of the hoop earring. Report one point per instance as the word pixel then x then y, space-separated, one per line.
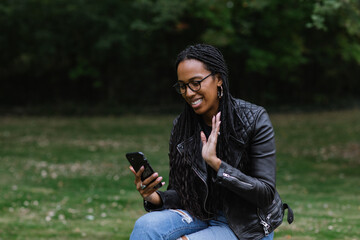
pixel 220 92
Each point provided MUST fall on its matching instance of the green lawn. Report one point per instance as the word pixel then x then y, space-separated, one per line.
pixel 67 178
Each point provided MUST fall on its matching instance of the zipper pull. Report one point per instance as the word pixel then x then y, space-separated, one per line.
pixel 226 175
pixel 266 227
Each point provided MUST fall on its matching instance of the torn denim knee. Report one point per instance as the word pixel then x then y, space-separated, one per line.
pixel 183 238
pixel 185 216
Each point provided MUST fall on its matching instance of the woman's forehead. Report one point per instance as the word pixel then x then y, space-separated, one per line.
pixel 191 67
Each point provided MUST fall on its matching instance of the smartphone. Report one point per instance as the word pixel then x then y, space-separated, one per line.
pixel 138 159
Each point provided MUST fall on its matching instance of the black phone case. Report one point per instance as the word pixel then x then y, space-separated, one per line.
pixel 138 159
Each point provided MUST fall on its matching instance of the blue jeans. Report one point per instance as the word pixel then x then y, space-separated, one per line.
pixel 172 224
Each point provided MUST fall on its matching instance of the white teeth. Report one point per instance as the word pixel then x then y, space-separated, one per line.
pixel 197 102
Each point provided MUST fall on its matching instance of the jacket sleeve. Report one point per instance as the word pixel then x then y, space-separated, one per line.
pixel 258 186
pixel 169 198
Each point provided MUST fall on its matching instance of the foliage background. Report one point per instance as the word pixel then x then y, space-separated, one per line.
pixel 120 54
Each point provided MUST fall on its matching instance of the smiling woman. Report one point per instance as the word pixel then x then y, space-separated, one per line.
pixel 221 186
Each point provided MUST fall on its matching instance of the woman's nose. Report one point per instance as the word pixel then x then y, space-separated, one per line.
pixel 189 92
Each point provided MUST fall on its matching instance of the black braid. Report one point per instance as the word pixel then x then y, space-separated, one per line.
pixel 182 177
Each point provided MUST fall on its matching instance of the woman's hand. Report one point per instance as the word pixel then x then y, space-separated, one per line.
pixel 209 145
pixel 148 192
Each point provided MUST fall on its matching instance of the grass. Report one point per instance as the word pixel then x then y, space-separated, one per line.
pixel 67 178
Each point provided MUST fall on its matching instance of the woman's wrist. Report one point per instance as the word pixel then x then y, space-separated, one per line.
pixel 154 199
pixel 215 164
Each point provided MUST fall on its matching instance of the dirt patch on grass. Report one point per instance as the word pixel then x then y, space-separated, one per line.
pixel 74 169
pixel 350 152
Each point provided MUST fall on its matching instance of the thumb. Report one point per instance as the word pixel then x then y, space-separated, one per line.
pixel 132 169
pixel 203 137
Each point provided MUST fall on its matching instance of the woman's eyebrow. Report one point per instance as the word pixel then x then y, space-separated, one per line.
pixel 191 79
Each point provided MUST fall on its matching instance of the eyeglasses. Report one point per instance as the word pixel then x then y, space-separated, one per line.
pixel 195 86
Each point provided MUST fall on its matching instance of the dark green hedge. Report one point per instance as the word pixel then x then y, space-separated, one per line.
pixel 121 52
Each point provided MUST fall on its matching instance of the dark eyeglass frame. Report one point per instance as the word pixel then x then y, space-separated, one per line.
pixel 187 85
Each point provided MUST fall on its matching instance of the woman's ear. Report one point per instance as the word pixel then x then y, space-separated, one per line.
pixel 219 80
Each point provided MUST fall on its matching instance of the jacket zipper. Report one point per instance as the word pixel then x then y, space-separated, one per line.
pixel 242 182
pixel 265 225
pixel 207 191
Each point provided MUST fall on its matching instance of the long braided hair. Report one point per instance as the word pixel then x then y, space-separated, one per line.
pixel 182 177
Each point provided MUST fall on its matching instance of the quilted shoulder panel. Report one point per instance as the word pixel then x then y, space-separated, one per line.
pixel 247 113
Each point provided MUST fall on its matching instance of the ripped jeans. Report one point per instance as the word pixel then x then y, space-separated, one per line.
pixel 172 224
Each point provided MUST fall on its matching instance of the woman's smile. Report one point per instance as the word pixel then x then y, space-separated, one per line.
pixel 196 103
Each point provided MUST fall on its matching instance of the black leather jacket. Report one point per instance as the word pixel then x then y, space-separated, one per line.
pixel 251 203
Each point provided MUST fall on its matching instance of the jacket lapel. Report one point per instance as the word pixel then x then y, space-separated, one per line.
pixel 237 149
pixel 198 162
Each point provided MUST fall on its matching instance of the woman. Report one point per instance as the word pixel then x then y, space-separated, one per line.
pixel 222 162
